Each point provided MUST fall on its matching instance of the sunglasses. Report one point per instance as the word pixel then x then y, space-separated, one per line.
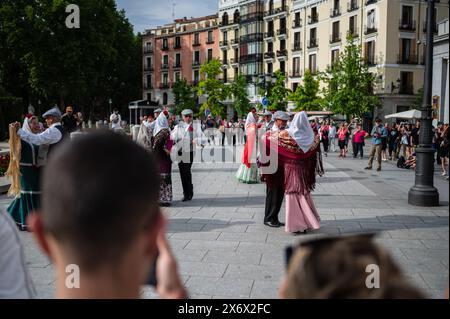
pixel 321 242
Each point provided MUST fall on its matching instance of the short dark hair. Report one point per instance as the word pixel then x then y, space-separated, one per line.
pixel 99 191
pixel 378 120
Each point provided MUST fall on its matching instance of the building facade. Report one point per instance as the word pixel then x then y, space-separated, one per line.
pixel 176 51
pixel 310 34
pixel 440 74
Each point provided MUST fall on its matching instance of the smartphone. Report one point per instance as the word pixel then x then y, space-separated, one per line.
pixel 152 281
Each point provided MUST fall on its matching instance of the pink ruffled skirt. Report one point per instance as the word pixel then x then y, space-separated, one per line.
pixel 301 214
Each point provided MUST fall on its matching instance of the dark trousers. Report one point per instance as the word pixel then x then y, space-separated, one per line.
pixel 186 177
pixel 325 145
pixel 274 200
pixel 359 149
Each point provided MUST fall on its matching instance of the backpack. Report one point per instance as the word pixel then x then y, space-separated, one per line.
pixel 401 162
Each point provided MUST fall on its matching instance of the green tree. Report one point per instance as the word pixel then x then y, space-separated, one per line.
pixel 305 96
pixel 349 84
pixel 418 100
pixel 183 96
pixel 213 87
pixel 278 93
pixel 238 90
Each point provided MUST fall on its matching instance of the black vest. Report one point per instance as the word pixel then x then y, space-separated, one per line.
pixel 64 135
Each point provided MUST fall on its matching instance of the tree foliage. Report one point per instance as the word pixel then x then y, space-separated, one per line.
pixel 183 93
pixel 349 84
pixel 213 87
pixel 238 90
pixel 305 96
pixel 42 59
pixel 278 93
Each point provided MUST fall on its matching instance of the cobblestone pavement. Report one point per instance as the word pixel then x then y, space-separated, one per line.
pixel 225 251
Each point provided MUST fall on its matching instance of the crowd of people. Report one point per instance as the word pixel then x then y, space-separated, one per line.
pixel 81 222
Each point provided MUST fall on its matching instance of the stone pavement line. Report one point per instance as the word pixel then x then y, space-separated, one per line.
pixel 225 251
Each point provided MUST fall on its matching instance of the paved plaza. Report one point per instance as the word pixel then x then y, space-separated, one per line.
pixel 225 251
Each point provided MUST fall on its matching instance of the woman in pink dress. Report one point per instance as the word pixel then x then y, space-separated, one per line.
pixel 298 151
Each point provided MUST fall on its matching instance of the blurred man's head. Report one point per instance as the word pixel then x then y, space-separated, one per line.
pixel 336 268
pixel 100 207
pixel 69 110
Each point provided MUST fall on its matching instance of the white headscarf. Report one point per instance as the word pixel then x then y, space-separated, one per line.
pixel 250 119
pixel 26 125
pixel 301 131
pixel 161 123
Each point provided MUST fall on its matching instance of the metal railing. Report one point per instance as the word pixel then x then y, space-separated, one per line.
pixel 313 43
pixel 334 12
pixel 407 59
pixel 352 5
pixel 297 23
pixel 370 30
pixel 269 55
pixel 313 19
pixel 281 31
pixel 335 37
pixel 274 11
pixel 407 25
pixel 296 46
pixel 164 66
pixel 406 88
pixel 282 53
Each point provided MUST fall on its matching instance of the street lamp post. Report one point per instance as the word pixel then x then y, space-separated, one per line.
pixel 423 193
pixel 110 106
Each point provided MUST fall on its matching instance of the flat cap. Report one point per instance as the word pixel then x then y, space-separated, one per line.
pixel 187 112
pixel 267 113
pixel 280 115
pixel 157 111
pixel 52 112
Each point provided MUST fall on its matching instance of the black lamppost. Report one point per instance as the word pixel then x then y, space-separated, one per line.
pixel 423 193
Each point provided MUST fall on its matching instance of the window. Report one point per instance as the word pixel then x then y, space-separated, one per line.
pixel 225 76
pixel 369 52
pixel 312 63
pixel 294 87
pixel 210 54
pixel 282 45
pixel 225 37
pixel 236 55
pixel 165 43
pixel 406 49
pixel 196 39
pixel 166 60
pixel 297 38
pixel 283 24
pixel 178 60
pixel 371 20
pixel 271 5
pixel 177 76
pixel 314 14
pixel 165 78
pixel 149 81
pixel 225 57
pixel 165 98
pixel 334 56
pixel 313 33
pixel 177 42
pixel 352 25
pixel 283 67
pixel 236 16
pixel 149 63
pixel 406 83
pixel 149 96
pixel 210 37
pixel 270 46
pixel 297 19
pixel 196 76
pixel 335 35
pixel 236 34
pixel 197 56
pixel 225 19
pixel 296 66
pixel 407 16
pixel 269 68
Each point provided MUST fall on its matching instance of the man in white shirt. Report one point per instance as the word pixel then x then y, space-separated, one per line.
pixel 15 280
pixel 51 136
pixel 116 120
pixel 332 137
pixel 187 134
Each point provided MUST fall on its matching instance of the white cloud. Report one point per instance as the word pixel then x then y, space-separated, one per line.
pixel 144 14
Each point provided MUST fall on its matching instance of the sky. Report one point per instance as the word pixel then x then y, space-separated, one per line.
pixel 145 14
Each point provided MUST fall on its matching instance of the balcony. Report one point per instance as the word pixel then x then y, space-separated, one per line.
pixel 282 32
pixel 297 23
pixel 370 30
pixel 148 50
pixel 295 74
pixel 164 86
pixel 223 43
pixel 269 55
pixel 407 59
pixel 282 53
pixel 148 86
pixel 196 44
pixel 280 10
pixel 165 48
pixel 313 19
pixel 352 6
pixel 251 17
pixel 335 12
pixel 406 88
pixel 313 43
pixel 296 46
pixel 269 34
pixel 235 42
pixel 369 2
pixel 370 60
pixel 255 37
pixel 210 41
pixel 407 26
pixel 165 66
pixel 148 68
pixel 225 23
pixel 234 61
pixel 354 32
pixel 177 65
pixel 335 38
pixel 196 64
pixel 177 46
pixel 249 58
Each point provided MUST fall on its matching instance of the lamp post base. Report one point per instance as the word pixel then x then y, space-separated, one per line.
pixel 424 196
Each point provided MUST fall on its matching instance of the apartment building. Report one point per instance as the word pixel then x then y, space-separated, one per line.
pixel 310 34
pixel 176 51
pixel 441 73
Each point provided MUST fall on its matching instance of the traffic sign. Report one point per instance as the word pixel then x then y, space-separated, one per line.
pixel 265 101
